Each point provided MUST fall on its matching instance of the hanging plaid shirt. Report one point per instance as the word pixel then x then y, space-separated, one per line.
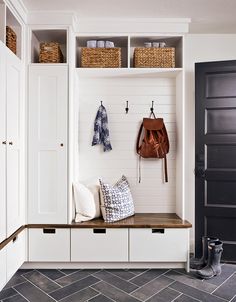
pixel 101 131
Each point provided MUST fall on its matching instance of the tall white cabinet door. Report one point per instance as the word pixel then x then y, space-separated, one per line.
pixel 48 102
pixel 14 182
pixel 2 144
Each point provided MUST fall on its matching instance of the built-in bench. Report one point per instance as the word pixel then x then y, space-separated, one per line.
pixel 143 240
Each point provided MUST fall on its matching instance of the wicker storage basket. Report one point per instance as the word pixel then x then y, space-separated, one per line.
pixel 154 57
pixel 50 53
pixel 11 39
pixel 101 57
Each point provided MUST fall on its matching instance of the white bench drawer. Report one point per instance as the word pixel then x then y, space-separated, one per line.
pixel 16 254
pixel 3 268
pixel 104 245
pixel 49 245
pixel 167 245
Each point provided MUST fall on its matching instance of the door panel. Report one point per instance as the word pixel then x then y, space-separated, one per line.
pixel 14 99
pixel 221 192
pixel 215 181
pixel 48 95
pixel 47 168
pixel 220 84
pixel 2 144
pixel 221 120
pixel 215 153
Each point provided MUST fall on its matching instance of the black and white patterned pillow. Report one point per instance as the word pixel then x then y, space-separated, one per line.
pixel 116 202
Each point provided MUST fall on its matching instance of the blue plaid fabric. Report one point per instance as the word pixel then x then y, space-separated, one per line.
pixel 101 131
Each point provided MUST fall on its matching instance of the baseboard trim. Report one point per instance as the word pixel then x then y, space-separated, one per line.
pixel 100 265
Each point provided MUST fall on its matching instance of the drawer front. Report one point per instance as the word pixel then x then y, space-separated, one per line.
pixel 169 245
pixel 16 254
pixel 3 268
pixel 99 245
pixel 49 245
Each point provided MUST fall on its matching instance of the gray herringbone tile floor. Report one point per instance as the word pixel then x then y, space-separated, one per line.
pixel 151 285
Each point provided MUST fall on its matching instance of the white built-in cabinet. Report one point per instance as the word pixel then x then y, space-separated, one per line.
pixel 3 268
pixel 11 147
pixel 16 253
pixel 99 245
pixel 47 133
pixel 159 245
pixel 49 245
pixel 12 256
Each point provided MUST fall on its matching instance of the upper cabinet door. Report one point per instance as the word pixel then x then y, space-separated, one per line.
pixel 47 178
pixel 2 144
pixel 14 84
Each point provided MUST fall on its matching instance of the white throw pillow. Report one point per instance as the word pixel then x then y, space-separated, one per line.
pixel 87 201
pixel 116 201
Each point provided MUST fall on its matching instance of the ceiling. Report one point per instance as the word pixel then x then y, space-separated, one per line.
pixel 207 16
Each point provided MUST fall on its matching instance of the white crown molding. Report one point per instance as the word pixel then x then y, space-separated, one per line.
pixel 65 18
pixel 141 25
pixel 143 20
pixel 18 8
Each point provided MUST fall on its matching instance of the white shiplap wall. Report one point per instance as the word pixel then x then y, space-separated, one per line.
pixel 152 194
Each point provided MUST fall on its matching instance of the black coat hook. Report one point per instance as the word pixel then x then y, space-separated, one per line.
pixel 152 108
pixel 101 103
pixel 127 107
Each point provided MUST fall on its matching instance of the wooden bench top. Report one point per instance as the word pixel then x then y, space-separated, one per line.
pixel 139 220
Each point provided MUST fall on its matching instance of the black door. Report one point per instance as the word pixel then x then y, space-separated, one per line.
pixel 215 155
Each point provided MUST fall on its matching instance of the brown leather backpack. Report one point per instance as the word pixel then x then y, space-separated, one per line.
pixel 155 142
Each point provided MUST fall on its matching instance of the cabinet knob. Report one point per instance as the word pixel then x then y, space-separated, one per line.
pixel 10 143
pixel 4 142
pixel 61 144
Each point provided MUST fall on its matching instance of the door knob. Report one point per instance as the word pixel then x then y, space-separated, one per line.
pixel 4 142
pixel 200 172
pixel 10 143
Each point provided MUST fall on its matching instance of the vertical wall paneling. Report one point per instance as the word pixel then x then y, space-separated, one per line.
pixel 152 194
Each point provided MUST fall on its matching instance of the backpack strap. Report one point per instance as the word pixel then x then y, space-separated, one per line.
pixel 138 138
pixel 165 169
pixel 137 149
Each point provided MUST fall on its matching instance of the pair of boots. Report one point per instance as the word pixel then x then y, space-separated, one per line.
pixel 208 265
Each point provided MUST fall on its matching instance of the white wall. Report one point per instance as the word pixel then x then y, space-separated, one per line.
pixel 151 195
pixel 200 48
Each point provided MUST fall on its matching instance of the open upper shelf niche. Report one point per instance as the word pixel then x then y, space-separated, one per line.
pixel 48 35
pixel 128 44
pixel 176 42
pixel 8 19
pixel 119 41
